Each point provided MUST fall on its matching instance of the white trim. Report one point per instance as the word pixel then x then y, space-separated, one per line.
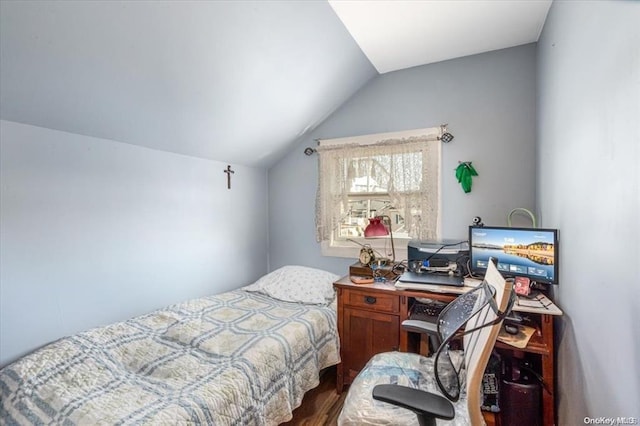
pixel 430 132
pixel 348 249
pixel 439 219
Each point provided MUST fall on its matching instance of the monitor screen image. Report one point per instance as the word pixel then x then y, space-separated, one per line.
pixel 523 252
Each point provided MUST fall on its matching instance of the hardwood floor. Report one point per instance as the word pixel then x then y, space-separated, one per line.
pixel 321 406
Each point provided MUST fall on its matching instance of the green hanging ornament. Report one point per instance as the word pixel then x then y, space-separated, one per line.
pixel 464 173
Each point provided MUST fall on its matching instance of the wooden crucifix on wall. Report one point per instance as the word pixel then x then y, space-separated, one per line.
pixel 228 171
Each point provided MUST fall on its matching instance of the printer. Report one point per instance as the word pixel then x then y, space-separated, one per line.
pixel 438 254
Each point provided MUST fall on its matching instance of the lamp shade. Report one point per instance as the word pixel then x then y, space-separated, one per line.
pixel 375 228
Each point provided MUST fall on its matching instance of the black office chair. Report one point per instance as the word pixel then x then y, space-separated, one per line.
pixel 398 388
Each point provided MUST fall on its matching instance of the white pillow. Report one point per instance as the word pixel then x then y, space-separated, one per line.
pixel 297 284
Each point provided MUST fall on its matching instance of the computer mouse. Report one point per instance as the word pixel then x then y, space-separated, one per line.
pixel 511 329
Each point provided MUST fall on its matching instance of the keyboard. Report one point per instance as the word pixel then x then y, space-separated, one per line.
pixel 426 311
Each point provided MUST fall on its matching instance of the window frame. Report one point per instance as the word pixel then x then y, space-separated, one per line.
pixel 350 247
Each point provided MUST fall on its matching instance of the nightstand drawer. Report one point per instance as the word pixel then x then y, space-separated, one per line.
pixel 374 301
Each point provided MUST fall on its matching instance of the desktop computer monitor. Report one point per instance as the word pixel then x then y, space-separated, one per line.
pixel 520 252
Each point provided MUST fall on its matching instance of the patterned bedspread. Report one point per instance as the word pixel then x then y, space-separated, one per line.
pixel 237 358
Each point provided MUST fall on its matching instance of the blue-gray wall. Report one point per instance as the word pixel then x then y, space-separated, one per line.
pixel 488 101
pixel 94 231
pixel 589 187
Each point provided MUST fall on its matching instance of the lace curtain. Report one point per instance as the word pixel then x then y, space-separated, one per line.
pixel 408 169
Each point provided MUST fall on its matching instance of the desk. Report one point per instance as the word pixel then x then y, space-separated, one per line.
pixel 370 315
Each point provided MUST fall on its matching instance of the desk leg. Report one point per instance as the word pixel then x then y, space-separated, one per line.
pixel 340 372
pixel 548 373
pixel 404 335
pixel 340 379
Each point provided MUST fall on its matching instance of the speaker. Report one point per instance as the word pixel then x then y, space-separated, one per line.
pixel 520 404
pixel 520 394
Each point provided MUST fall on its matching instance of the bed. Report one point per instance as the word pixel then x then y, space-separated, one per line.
pixel 245 357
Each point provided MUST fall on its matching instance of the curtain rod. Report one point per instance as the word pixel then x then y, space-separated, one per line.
pixel 444 136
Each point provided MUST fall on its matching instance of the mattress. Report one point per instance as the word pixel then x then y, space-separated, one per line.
pixel 237 358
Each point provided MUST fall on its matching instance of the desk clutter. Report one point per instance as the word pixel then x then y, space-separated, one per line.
pixel 362 270
pixel 357 279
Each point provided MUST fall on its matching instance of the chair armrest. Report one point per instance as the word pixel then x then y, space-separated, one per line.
pixel 423 403
pixel 419 326
pixel 424 327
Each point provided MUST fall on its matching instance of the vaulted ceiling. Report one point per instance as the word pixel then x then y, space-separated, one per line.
pixel 233 81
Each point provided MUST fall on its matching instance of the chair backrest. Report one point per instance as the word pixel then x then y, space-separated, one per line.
pixel 478 344
pixel 480 311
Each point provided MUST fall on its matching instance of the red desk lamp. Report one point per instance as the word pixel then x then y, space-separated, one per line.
pixel 377 229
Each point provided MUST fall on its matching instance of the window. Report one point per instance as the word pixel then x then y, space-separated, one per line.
pixel 392 174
